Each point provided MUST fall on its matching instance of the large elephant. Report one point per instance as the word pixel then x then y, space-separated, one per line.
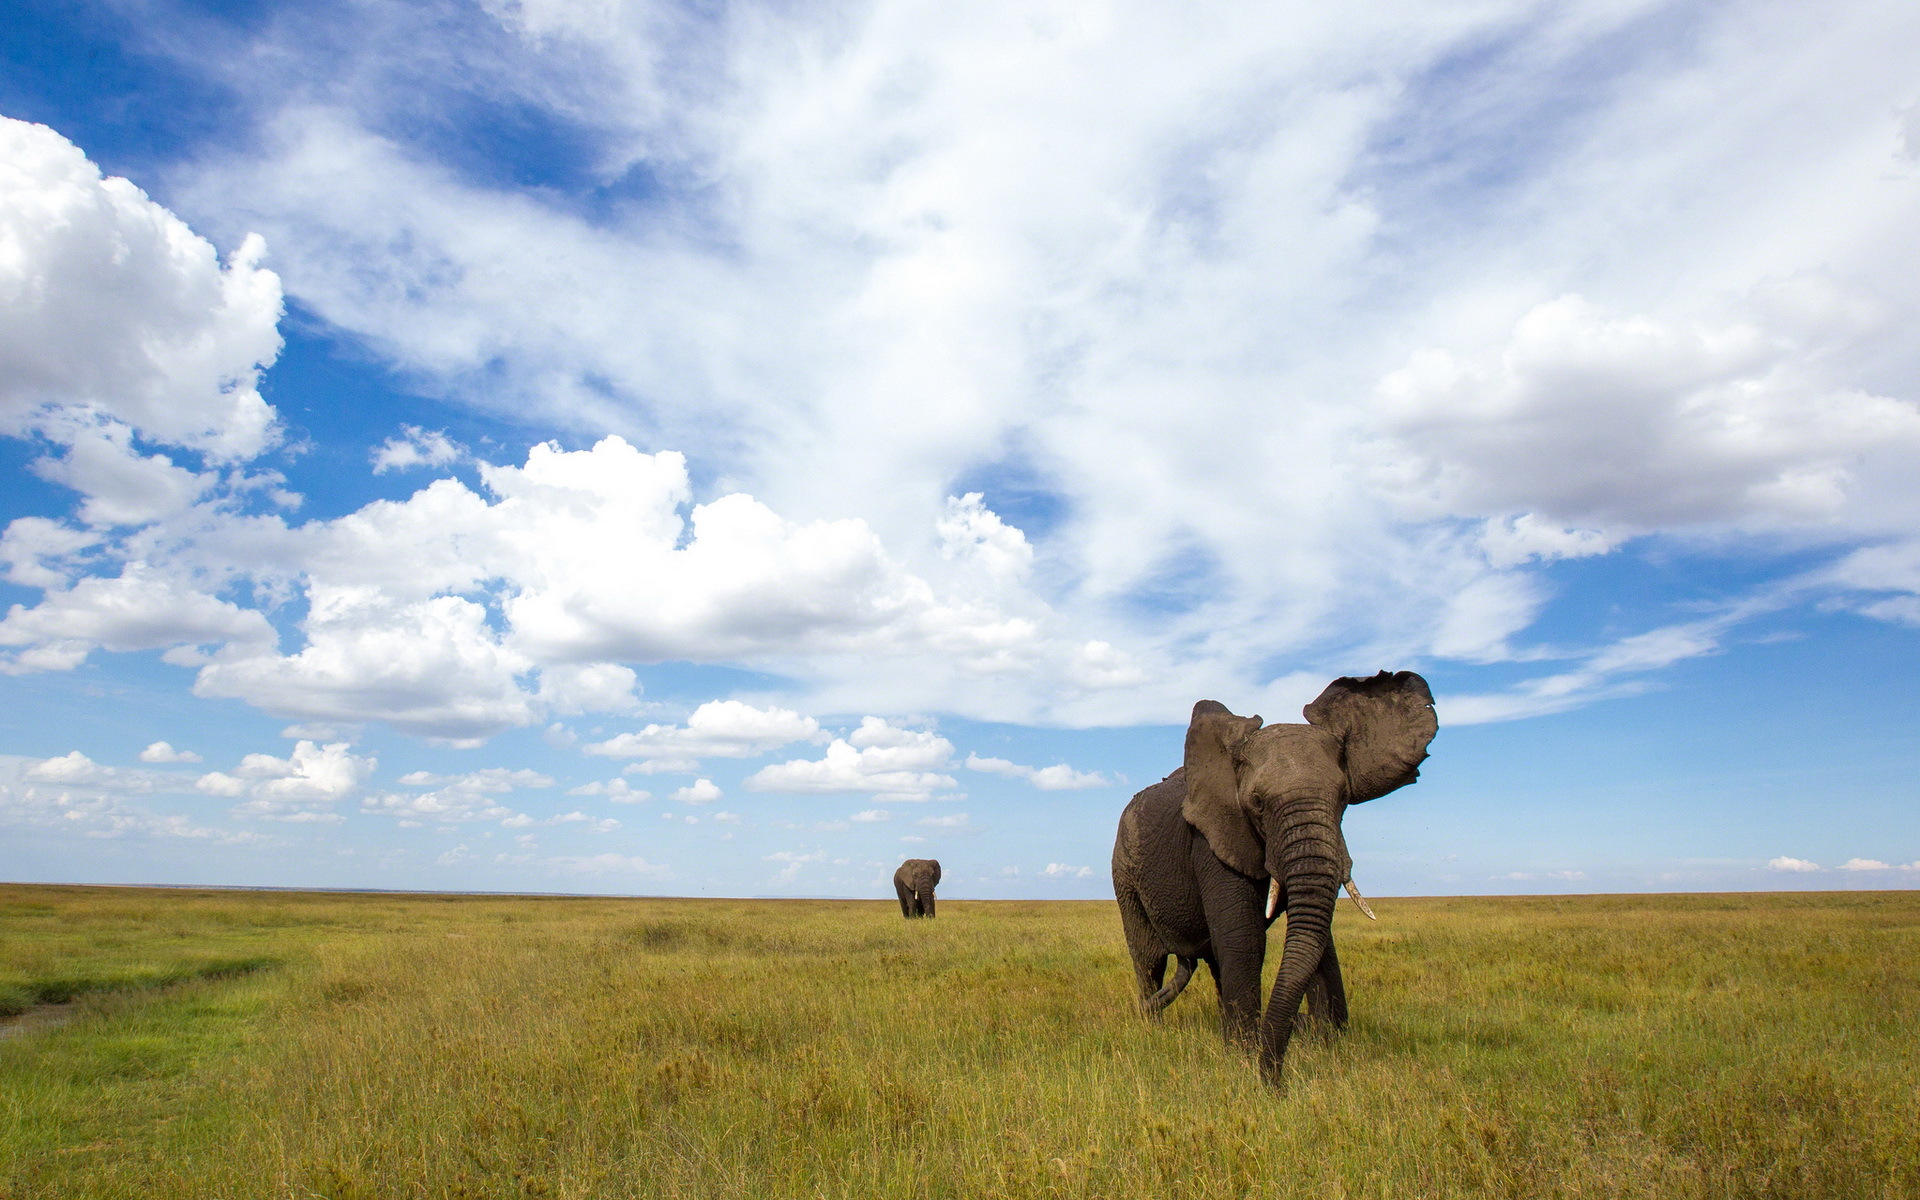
pixel 915 881
pixel 1250 824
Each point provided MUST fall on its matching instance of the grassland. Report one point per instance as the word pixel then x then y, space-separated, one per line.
pixel 346 1046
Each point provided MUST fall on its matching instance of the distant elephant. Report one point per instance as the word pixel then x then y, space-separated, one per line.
pixel 1254 815
pixel 915 881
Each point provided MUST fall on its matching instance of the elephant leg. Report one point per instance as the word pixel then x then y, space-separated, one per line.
pixel 1327 996
pixel 1235 906
pixel 1144 946
pixel 906 898
pixel 926 904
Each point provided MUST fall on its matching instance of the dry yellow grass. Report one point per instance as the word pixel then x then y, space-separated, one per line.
pixel 1724 1046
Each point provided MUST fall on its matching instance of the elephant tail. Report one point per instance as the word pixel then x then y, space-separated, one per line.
pixel 1182 972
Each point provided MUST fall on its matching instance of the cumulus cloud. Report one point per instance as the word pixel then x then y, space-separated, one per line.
pixel 1077 298
pixel 1059 777
pixel 1063 871
pixel 470 796
pixel 700 791
pixel 114 307
pixel 118 484
pixel 617 790
pixel 163 752
pixel 576 817
pixel 879 757
pixel 439 806
pixel 72 767
pixel 431 667
pixel 415 447
pixel 39 552
pixel 1712 423
pixel 870 816
pixel 717 729
pixel 569 689
pixel 1783 863
pixel 498 780
pixel 794 862
pixel 303 787
pixel 71 796
pixel 140 609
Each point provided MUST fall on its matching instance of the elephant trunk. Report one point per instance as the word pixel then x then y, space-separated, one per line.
pixel 1306 854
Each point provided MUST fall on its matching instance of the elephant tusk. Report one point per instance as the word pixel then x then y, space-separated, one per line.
pixel 1357 899
pixel 1273 898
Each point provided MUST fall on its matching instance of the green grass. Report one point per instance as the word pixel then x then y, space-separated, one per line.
pixel 1723 1046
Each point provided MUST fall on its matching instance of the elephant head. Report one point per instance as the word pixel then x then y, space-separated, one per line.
pixel 1270 801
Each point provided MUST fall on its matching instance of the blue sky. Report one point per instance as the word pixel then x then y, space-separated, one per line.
pixel 724 450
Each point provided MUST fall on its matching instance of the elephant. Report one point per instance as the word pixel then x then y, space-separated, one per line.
pixel 915 882
pixel 1252 815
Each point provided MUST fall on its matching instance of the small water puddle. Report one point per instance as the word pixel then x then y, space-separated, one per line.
pixel 34 1020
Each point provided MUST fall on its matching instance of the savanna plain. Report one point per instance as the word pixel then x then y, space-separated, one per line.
pixel 169 1043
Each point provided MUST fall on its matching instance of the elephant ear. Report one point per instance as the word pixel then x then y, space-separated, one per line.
pixel 933 869
pixel 1214 804
pixel 1384 725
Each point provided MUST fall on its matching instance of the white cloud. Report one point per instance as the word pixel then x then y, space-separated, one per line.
pixel 700 791
pixel 470 796
pixel 302 787
pixel 573 688
pixel 617 790
pixel 596 824
pixel 1720 423
pixel 794 862
pixel 219 783
pixel 119 485
pixel 1614 670
pixel 71 767
pixel 446 806
pixel 1059 777
pixel 72 796
pixel 951 821
pixel 662 766
pixel 879 757
pixel 415 447
pixel 454 857
pixel 497 780
pixel 141 609
pixel 38 552
pixel 870 816
pixel 430 667
pixel 1080 267
pixel 726 818
pixel 1783 863
pixel 111 305
pixel 1864 864
pixel 717 729
pixel 1063 871
pixel 163 752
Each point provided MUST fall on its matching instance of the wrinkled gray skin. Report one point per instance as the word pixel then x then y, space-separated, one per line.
pixel 1196 852
pixel 915 881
